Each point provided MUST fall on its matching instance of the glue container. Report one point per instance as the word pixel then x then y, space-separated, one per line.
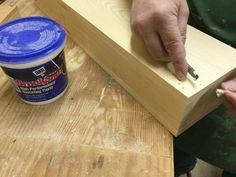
pixel 32 56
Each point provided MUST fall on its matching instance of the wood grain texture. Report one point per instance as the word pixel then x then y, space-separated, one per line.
pixel 62 160
pixel 102 29
pixel 8 13
pixel 96 116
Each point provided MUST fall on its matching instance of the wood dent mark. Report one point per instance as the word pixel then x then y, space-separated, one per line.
pixel 98 163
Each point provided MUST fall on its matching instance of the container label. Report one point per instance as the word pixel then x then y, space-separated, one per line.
pixel 41 83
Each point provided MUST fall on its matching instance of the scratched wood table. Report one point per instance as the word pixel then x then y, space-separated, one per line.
pixel 95 130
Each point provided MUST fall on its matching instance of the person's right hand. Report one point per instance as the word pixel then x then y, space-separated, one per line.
pixel 229 98
pixel 162 26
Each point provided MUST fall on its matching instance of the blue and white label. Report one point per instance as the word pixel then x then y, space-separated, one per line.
pixel 41 83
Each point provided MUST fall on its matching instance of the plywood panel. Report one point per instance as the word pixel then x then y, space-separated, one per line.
pixel 102 28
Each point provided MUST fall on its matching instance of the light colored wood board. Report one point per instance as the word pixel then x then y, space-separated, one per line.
pixel 8 13
pixel 95 111
pixel 97 49
pixel 102 28
pixel 48 158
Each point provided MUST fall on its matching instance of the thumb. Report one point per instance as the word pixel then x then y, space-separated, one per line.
pixel 231 97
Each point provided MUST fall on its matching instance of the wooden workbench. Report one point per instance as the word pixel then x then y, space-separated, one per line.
pixel 96 129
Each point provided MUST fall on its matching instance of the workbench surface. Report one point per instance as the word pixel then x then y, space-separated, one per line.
pixel 96 129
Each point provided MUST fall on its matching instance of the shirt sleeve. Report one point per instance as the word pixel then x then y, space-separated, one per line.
pixel 216 18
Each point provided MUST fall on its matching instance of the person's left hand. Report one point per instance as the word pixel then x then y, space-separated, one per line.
pixel 230 95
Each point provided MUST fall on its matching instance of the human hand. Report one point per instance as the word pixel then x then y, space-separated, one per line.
pixel 162 25
pixel 229 98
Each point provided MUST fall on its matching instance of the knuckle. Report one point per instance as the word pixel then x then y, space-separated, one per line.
pixel 176 51
pixel 185 9
pixel 138 23
pixel 186 12
pixel 172 45
pixel 160 15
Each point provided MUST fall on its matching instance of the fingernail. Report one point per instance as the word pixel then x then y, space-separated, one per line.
pixel 180 76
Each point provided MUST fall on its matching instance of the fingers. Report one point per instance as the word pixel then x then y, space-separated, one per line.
pixel 151 40
pixel 162 26
pixel 230 101
pixel 229 98
pixel 183 20
pixel 155 47
pixel 229 85
pixel 174 46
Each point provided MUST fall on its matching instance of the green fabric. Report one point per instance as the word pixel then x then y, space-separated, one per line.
pixel 213 139
pixel 215 17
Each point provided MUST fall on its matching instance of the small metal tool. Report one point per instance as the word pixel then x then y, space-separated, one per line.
pixel 192 72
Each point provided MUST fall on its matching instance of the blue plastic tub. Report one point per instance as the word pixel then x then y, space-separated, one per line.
pixel 32 56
